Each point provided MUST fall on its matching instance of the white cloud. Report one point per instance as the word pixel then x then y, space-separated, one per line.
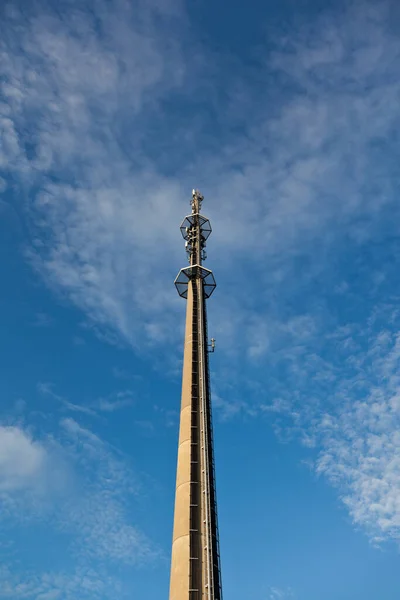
pixel 82 491
pixel 100 520
pixel 45 388
pixel 85 583
pixel 113 402
pixel 230 405
pixel 276 593
pixel 22 460
pixel 348 417
pixel 35 475
pixel 361 442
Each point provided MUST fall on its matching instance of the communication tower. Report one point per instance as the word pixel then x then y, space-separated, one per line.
pixel 195 562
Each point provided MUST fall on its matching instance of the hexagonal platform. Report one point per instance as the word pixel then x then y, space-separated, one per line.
pixel 189 221
pixel 184 275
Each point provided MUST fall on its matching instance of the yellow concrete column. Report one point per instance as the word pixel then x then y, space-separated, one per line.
pixel 179 583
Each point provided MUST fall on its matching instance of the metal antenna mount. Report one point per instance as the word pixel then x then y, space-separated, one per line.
pixel 196 201
pixel 195 229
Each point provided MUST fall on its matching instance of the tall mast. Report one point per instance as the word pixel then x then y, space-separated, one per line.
pixel 195 563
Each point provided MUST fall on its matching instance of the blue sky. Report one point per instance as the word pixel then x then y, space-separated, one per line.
pixel 287 119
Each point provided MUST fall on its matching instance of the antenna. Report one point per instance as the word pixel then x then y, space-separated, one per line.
pixel 196 201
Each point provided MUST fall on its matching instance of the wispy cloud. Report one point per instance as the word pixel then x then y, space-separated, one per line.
pixel 348 417
pixel 94 80
pixel 76 486
pixel 361 440
pixel 100 520
pixel 276 593
pixel 85 583
pixel 115 401
pixel 230 406
pixel 43 320
pixel 45 388
pixel 109 404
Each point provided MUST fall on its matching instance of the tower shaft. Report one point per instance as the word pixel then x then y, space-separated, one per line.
pixel 195 569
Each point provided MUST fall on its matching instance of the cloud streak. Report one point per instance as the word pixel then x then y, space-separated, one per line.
pixel 113 402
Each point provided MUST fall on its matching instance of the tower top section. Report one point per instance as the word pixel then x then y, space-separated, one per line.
pixel 195 229
pixel 197 199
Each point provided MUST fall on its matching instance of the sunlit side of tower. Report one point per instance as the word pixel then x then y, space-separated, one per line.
pixel 195 564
